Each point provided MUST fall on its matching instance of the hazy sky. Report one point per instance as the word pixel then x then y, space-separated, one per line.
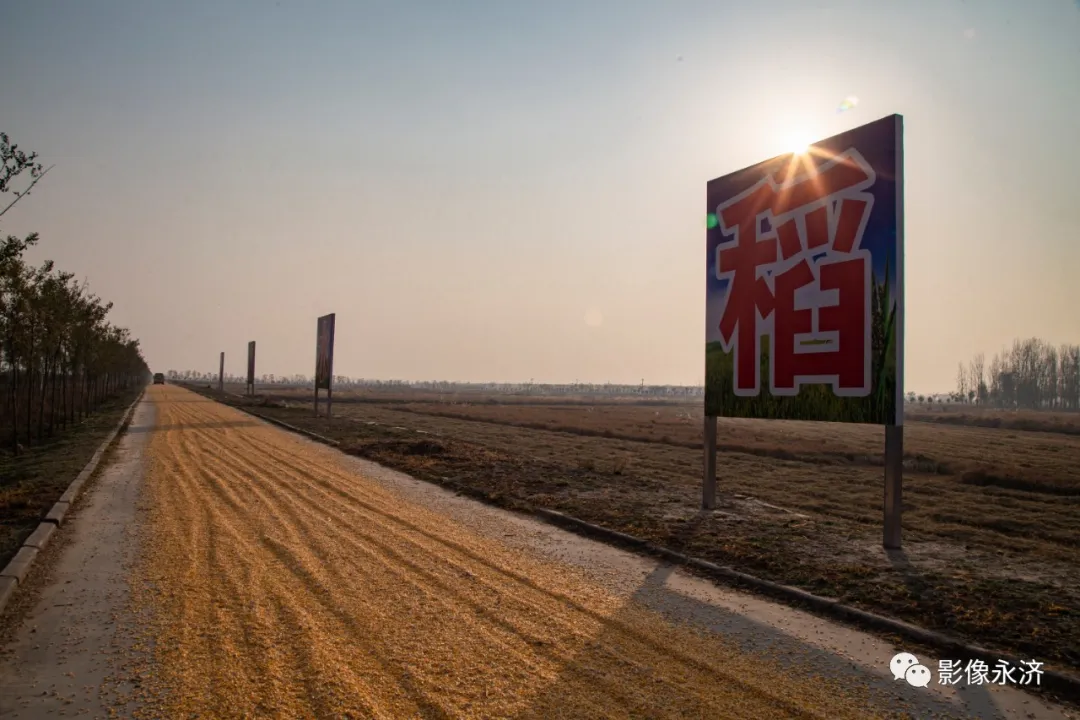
pixel 508 190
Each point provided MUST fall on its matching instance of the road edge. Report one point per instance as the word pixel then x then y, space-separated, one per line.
pixel 1053 681
pixel 19 566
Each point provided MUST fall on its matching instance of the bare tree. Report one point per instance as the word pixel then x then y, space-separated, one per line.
pixel 978 378
pixel 1032 375
pixel 961 381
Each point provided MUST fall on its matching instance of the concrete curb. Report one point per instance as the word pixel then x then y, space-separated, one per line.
pixel 1062 684
pixel 57 512
pixel 15 571
pixel 291 428
pixel 20 564
pixel 40 537
pixel 7 589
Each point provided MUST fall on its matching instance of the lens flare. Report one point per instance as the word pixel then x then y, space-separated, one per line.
pixel 849 102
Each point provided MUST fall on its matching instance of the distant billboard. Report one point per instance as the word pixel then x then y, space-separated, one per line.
pixel 804 289
pixel 251 364
pixel 324 352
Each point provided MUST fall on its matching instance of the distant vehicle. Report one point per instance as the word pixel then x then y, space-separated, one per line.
pixel 159 378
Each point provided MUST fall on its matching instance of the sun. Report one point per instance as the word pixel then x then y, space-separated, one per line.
pixel 798 143
pixel 796 138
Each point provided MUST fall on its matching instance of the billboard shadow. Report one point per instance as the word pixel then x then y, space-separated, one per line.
pixel 756 668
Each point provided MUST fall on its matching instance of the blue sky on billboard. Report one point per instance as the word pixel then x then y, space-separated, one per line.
pixel 880 229
pixel 874 142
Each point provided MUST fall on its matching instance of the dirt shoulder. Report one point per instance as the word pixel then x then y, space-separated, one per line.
pixel 994 566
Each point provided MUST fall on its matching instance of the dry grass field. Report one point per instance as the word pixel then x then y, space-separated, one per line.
pixel 992 514
pixel 31 482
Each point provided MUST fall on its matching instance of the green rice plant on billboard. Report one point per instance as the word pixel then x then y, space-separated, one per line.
pixel 804 284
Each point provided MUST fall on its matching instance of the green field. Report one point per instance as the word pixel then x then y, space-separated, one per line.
pixel 813 402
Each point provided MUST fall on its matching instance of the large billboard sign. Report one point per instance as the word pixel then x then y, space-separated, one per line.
pixel 324 352
pixel 804 291
pixel 251 365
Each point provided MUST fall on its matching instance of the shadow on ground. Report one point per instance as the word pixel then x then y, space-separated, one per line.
pixel 801 659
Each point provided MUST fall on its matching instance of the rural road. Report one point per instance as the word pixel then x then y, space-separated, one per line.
pixel 221 567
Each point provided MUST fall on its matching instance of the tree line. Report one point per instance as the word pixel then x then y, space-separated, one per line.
pixel 442 385
pixel 1031 375
pixel 60 358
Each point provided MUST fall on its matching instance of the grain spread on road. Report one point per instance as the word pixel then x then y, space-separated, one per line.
pixel 280 583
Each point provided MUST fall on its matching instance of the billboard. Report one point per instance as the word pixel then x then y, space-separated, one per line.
pixel 324 352
pixel 804 284
pixel 251 364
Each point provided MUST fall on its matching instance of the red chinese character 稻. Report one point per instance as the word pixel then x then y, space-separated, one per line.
pixel 805 277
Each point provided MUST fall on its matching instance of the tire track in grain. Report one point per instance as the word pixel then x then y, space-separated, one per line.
pixel 477 607
pixel 711 668
pixel 440 589
pixel 303 610
pixel 181 495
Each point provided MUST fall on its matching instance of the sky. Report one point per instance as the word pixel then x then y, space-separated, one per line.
pixel 501 190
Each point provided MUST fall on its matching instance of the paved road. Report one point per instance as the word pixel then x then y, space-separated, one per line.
pixel 223 568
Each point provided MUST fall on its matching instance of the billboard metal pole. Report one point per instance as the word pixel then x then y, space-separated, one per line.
pixel 708 488
pixel 221 374
pixel 894 484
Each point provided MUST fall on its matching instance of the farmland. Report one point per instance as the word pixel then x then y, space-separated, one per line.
pixel 991 521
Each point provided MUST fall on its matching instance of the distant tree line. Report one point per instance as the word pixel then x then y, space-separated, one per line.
pixel 59 356
pixel 1031 375
pixel 201 376
pixel 446 385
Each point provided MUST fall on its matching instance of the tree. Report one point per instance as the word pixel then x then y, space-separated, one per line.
pixel 961 380
pixel 978 378
pixel 59 358
pixel 1032 375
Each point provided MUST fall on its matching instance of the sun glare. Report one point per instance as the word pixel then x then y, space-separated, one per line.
pixel 797 142
pixel 798 145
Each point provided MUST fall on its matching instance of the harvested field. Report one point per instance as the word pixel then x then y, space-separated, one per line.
pixel 1060 422
pixel 992 516
pixel 948 414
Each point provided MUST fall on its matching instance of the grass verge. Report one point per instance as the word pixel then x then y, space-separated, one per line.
pixel 31 482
